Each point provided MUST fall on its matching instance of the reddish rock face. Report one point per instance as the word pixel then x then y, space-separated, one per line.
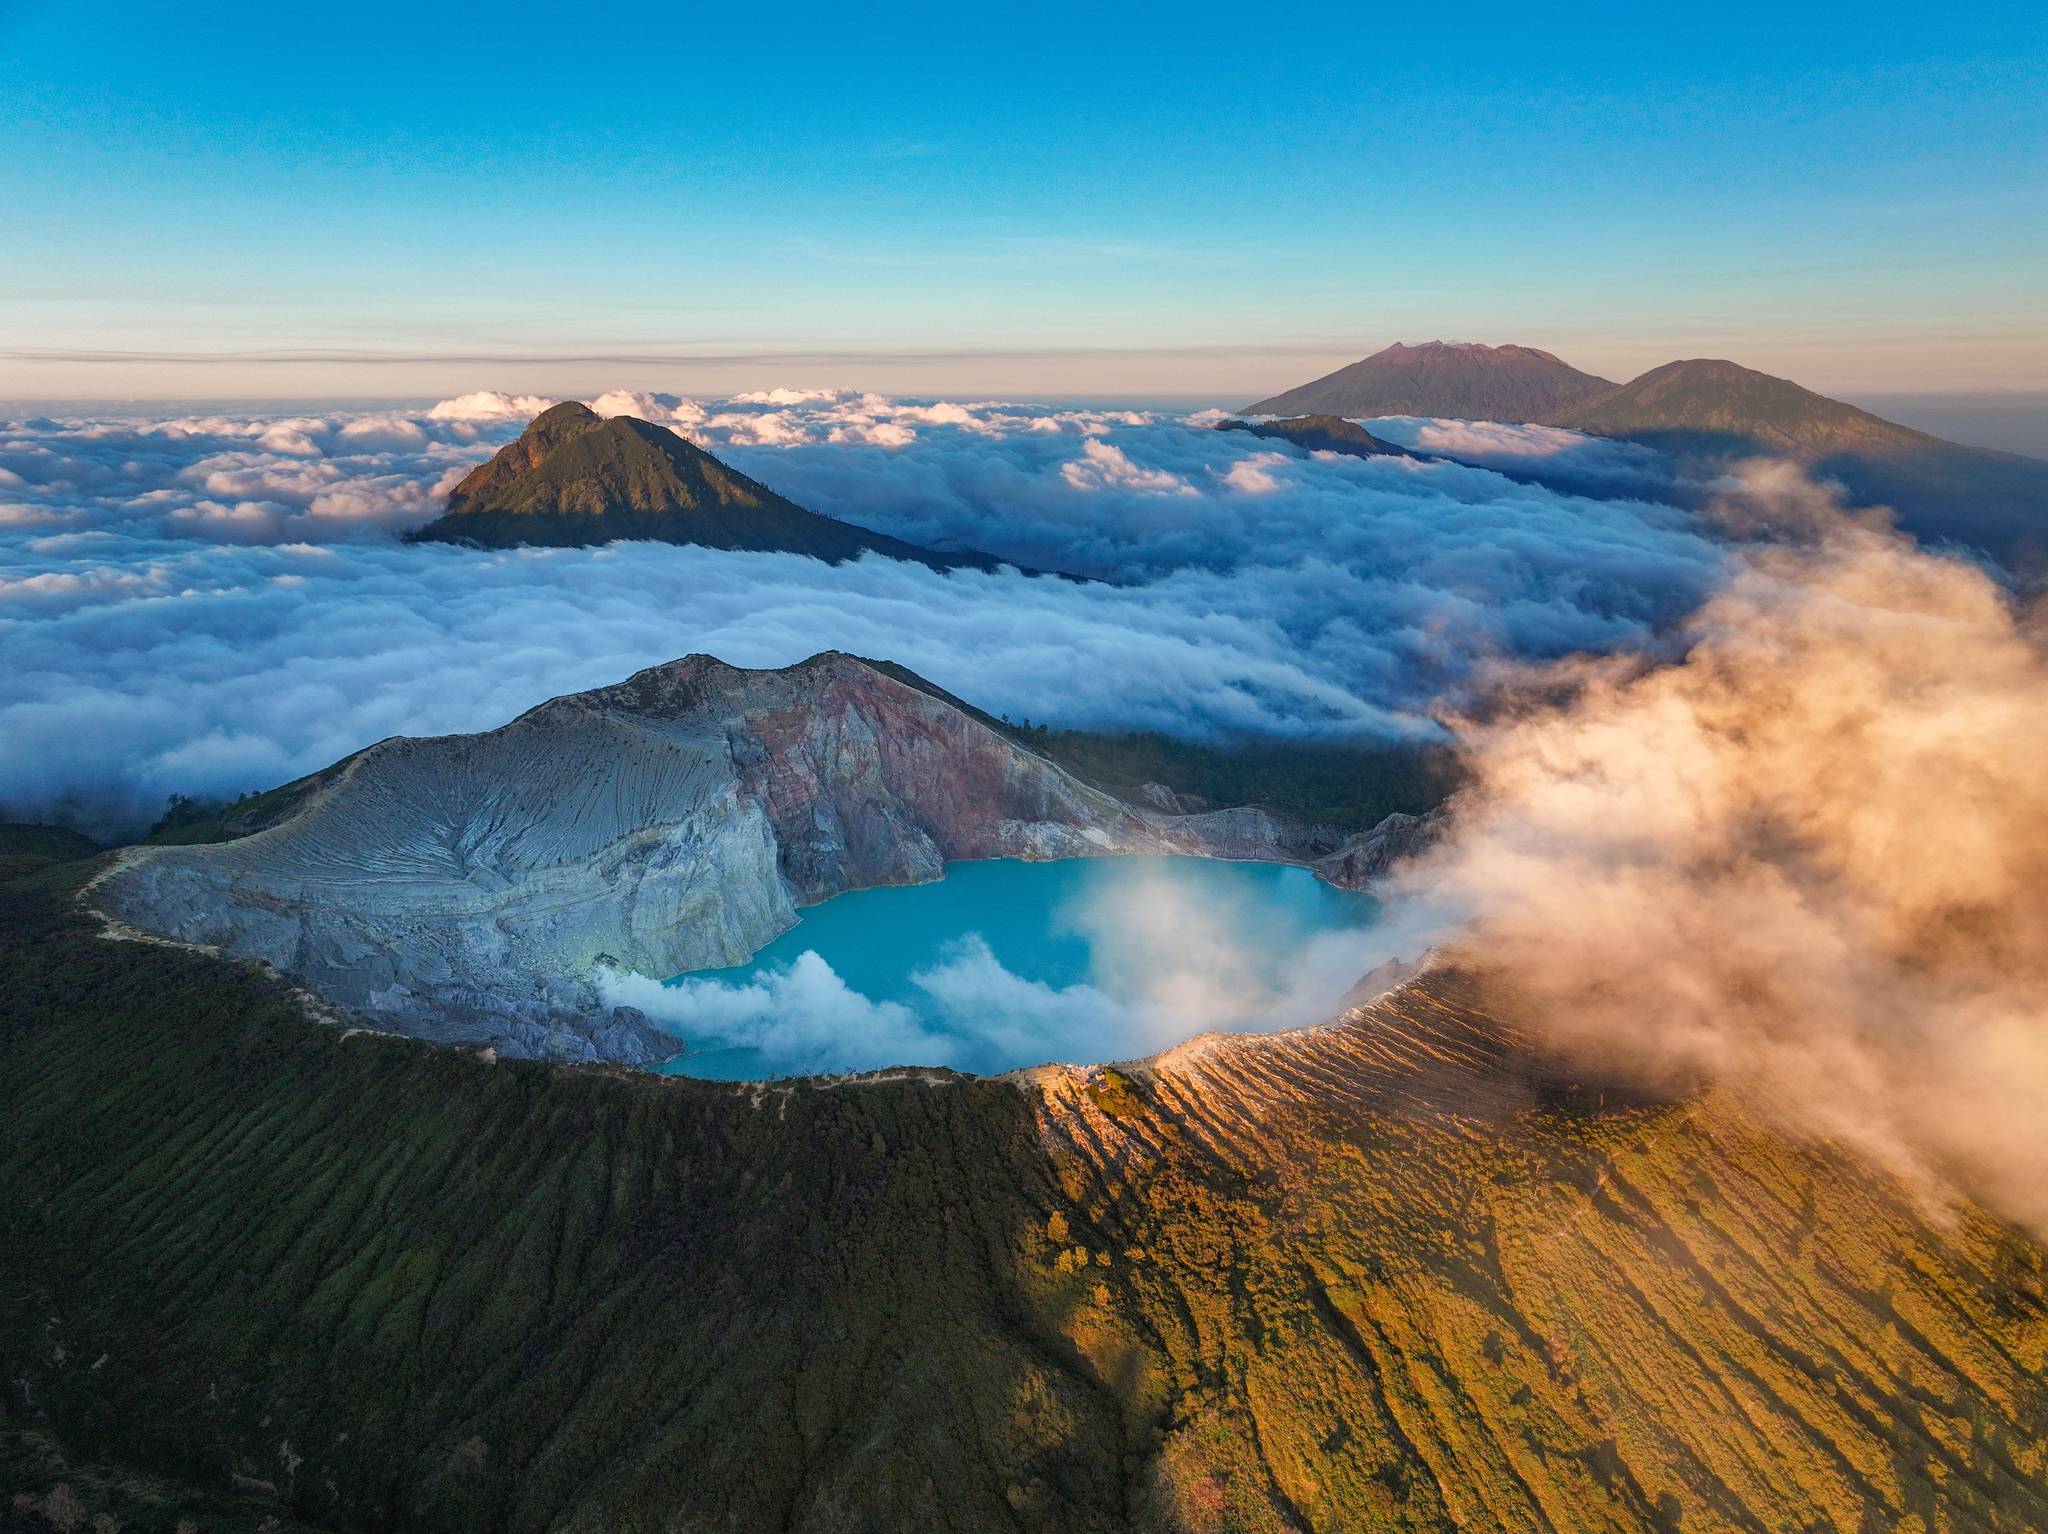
pixel 867 781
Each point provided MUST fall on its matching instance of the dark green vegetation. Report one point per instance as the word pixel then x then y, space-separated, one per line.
pixel 24 848
pixel 1397 1275
pixel 1321 434
pixel 554 427
pixel 1335 783
pixel 1706 413
pixel 1484 383
pixel 575 478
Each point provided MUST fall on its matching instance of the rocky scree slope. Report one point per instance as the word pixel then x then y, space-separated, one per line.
pixel 463 887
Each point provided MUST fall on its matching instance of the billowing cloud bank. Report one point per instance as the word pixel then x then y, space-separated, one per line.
pixel 1809 861
pixel 1568 459
pixel 214 604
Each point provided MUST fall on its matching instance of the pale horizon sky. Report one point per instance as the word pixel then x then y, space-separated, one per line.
pixel 397 202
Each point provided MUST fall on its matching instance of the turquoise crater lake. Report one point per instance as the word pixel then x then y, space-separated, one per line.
pixel 1007 963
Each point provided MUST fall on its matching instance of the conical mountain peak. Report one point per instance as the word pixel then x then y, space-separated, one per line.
pixel 574 478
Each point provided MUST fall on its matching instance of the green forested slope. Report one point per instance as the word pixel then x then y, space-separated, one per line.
pixel 1385 1276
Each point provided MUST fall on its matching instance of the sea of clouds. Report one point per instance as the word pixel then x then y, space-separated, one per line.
pixel 210 603
pixel 1768 814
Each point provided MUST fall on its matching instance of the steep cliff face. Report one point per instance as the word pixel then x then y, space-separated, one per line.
pixel 462 887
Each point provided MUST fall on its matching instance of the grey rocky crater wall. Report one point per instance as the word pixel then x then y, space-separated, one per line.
pixel 463 887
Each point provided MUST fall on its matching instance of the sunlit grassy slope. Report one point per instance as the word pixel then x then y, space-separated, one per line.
pixel 1388 1275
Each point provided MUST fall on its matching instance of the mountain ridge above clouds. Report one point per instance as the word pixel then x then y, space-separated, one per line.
pixel 1706 413
pixel 1446 378
pixel 1711 394
pixel 575 478
pixel 1710 409
pixel 1239 591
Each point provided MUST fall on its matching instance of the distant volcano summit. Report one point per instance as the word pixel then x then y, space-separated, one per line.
pixel 1709 413
pixel 1447 378
pixel 575 478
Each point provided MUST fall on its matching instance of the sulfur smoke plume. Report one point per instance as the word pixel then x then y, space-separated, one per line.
pixel 1808 860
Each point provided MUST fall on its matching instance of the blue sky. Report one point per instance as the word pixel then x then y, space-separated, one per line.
pixel 936 199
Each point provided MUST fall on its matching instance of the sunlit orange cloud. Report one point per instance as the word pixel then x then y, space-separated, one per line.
pixel 1808 861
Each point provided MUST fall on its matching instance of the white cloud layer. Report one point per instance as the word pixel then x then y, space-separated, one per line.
pixel 1556 456
pixel 210 604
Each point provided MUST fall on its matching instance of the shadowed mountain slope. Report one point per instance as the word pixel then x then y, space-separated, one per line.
pixel 1715 410
pixel 26 848
pixel 1394 1273
pixel 1446 378
pixel 1321 434
pixel 576 478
